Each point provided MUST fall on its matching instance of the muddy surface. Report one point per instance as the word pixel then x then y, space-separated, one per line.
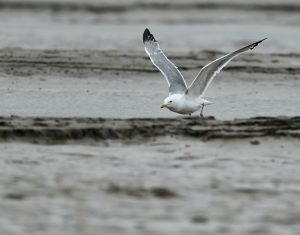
pixel 149 176
pixel 110 84
pixel 84 63
pixel 83 130
pixel 85 148
pixel 170 185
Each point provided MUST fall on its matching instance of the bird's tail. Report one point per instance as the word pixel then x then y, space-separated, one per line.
pixel 207 102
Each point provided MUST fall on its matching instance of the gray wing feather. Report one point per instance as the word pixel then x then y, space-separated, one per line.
pixel 208 72
pixel 174 78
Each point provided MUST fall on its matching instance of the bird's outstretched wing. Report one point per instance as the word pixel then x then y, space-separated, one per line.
pixel 174 78
pixel 208 72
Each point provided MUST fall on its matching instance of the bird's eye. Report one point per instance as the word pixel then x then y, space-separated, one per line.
pixel 170 101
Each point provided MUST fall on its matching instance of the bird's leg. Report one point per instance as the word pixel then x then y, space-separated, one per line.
pixel 201 112
pixel 190 114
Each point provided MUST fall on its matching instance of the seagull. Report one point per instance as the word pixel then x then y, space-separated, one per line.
pixel 183 99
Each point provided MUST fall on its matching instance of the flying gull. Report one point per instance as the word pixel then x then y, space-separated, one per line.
pixel 182 99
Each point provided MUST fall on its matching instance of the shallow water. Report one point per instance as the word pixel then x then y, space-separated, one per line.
pixel 136 95
pixel 281 39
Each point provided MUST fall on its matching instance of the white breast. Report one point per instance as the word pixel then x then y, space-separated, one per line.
pixel 186 106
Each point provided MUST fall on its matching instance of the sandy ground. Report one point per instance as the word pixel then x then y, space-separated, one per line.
pixel 165 186
pixel 71 164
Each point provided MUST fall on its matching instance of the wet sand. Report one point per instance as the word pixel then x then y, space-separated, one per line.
pixel 65 130
pixel 165 185
pixel 113 84
pixel 85 149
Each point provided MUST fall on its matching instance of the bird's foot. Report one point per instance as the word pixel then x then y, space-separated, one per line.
pixel 201 112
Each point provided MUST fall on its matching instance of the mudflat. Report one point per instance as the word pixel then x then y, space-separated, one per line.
pixel 128 177
pixel 64 83
pixel 85 149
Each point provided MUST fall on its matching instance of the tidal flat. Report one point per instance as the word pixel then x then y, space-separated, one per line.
pixel 85 148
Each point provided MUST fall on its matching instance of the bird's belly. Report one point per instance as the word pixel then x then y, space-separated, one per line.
pixel 188 109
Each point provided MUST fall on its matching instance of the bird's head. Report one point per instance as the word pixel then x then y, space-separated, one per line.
pixel 171 102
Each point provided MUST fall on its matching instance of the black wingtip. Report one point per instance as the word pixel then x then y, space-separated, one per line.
pixel 147 36
pixel 256 43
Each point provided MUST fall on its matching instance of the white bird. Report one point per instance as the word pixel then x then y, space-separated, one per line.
pixel 181 99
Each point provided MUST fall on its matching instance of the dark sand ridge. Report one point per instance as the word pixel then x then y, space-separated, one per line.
pixel 116 6
pixel 77 63
pixel 62 130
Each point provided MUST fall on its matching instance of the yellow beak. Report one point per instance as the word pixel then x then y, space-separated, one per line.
pixel 163 106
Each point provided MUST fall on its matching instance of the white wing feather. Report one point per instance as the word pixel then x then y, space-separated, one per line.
pixel 208 72
pixel 174 78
